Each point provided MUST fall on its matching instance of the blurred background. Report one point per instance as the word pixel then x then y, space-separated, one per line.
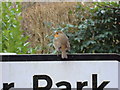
pixel 28 27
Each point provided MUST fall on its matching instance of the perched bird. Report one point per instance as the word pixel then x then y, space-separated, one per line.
pixel 61 43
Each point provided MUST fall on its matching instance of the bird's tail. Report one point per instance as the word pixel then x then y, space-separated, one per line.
pixel 64 54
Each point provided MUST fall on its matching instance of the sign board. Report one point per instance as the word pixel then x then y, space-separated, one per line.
pixel 78 73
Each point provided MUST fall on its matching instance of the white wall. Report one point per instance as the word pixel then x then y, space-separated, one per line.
pixel 119 75
pixel 0 75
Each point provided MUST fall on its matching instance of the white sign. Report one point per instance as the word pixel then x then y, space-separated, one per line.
pixel 73 72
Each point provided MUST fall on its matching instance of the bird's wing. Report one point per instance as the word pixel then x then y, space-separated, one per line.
pixel 56 44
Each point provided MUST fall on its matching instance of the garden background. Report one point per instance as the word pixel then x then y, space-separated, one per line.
pixel 28 27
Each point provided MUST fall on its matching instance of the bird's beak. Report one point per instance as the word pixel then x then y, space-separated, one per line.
pixel 55 35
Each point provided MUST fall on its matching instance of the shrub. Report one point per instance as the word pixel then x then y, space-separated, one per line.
pixel 96 29
pixel 13 40
pixel 0 28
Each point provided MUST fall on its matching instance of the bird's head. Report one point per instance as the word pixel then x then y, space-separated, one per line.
pixel 58 33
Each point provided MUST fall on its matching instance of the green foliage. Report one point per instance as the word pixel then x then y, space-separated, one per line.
pixel 96 29
pixel 13 40
pixel 0 27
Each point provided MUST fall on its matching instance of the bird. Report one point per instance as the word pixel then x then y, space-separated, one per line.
pixel 61 43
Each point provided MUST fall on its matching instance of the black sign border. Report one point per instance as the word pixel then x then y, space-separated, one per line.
pixel 51 57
